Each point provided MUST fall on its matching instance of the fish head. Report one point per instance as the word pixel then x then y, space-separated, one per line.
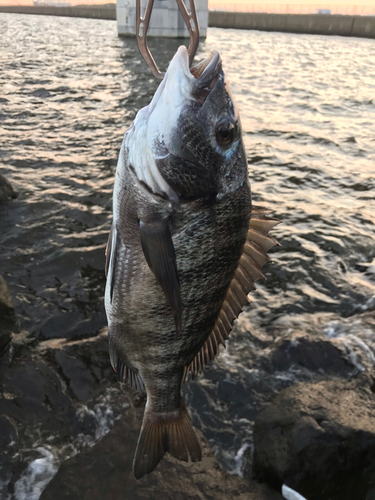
pixel 192 132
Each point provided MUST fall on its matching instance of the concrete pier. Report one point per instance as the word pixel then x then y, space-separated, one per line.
pixel 166 19
pixel 105 11
pixel 312 24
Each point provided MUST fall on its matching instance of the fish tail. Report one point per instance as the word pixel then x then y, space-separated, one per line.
pixel 162 432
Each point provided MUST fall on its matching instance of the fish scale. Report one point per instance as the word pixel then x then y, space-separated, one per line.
pixel 180 256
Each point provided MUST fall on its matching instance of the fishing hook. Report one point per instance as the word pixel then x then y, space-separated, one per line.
pixel 191 21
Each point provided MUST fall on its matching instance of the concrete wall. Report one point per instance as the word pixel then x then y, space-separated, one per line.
pixel 105 12
pixel 313 24
pixel 364 26
pixel 165 21
pixel 360 26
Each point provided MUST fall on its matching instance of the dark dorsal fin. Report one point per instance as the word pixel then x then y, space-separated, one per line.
pixel 125 374
pixel 253 258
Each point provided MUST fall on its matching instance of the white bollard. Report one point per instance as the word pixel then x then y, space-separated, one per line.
pixel 166 19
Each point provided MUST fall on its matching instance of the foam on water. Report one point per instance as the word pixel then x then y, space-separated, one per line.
pixel 357 339
pixel 41 470
pixel 37 475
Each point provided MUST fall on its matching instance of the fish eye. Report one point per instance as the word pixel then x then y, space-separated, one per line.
pixel 225 132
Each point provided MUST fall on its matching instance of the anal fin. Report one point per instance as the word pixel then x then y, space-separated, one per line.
pixel 125 374
pixel 254 257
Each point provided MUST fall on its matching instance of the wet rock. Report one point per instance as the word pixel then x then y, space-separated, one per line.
pixel 5 340
pixel 319 439
pixel 83 364
pixel 6 304
pixel 8 432
pixel 32 394
pixel 33 407
pixel 225 401
pixel 40 412
pixel 81 382
pixel 7 316
pixel 6 190
pixel 104 472
pixel 314 355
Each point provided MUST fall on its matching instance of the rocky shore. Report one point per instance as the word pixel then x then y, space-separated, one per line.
pixel 320 440
pixel 301 413
pixel 69 430
pixel 105 472
pixel 61 399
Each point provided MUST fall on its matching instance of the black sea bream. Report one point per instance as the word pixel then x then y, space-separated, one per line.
pixel 185 248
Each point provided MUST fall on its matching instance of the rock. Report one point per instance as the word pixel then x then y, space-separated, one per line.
pixel 319 439
pixel 8 432
pixel 5 340
pixel 6 190
pixel 83 364
pixel 104 472
pixel 315 355
pixel 41 419
pixel 32 395
pixel 7 316
pixel 6 304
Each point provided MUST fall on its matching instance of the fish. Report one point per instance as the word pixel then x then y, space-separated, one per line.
pixel 184 250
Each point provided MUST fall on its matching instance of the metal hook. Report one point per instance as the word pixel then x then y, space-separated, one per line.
pixel 191 21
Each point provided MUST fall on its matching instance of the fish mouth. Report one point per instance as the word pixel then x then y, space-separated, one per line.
pixel 208 67
pixel 206 74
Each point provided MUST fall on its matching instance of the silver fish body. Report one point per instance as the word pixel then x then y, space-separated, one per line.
pixel 180 261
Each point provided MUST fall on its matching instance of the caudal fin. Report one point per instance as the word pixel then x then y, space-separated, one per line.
pixel 160 433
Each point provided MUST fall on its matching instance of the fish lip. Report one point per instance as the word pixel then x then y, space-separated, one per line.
pixel 207 70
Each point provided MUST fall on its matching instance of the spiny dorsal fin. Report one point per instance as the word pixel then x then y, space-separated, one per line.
pixel 125 374
pixel 253 258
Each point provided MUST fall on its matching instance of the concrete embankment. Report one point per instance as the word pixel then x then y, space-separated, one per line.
pixel 311 24
pixel 107 11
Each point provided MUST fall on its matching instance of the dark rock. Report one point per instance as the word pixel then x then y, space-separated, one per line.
pixel 315 355
pixel 6 190
pixel 32 394
pixel 319 439
pixel 8 432
pixel 83 364
pixel 5 340
pixel 104 472
pixel 7 316
pixel 39 414
pixel 81 382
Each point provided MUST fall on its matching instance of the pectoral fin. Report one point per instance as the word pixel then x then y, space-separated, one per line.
pixel 111 257
pixel 159 252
